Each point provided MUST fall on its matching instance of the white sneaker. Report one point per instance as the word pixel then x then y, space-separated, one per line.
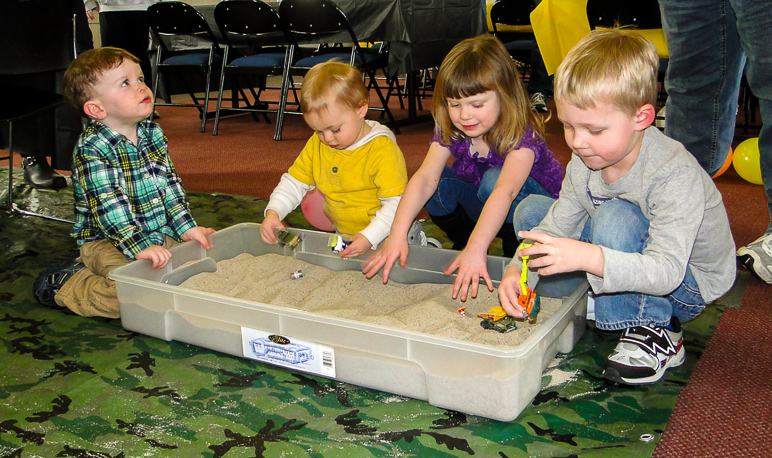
pixel 644 353
pixel 757 257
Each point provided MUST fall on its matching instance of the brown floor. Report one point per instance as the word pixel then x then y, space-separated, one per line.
pixel 725 410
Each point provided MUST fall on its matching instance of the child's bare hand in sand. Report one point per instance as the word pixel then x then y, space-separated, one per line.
pixel 270 226
pixel 391 249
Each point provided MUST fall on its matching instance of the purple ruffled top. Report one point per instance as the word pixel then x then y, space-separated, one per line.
pixel 546 170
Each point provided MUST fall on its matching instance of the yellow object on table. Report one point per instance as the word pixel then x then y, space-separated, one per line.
pixel 559 25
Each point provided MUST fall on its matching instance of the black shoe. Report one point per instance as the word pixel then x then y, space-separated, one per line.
pixel 40 175
pixel 51 280
pixel 457 225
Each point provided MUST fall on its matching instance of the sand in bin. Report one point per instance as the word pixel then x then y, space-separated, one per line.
pixel 422 307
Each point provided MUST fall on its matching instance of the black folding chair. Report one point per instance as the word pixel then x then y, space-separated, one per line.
pixel 175 22
pixel 51 47
pixel 644 14
pixel 322 23
pixel 251 32
pixel 520 45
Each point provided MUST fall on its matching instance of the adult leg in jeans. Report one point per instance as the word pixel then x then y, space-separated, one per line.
pixel 703 77
pixel 754 25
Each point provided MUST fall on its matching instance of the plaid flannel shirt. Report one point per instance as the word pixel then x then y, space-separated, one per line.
pixel 129 194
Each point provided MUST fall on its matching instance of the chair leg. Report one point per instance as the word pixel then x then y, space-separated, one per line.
pixel 207 88
pixel 383 102
pixel 219 94
pixel 285 82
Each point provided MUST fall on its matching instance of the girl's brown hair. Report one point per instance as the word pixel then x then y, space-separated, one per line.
pixel 478 65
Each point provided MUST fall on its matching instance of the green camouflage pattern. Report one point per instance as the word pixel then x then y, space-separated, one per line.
pixel 84 387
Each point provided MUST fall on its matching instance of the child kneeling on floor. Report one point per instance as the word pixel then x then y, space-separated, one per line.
pixel 354 162
pixel 636 212
pixel 129 200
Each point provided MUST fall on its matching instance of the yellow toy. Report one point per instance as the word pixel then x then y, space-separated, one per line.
pixel 528 298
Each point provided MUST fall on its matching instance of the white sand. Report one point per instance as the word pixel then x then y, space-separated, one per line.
pixel 423 307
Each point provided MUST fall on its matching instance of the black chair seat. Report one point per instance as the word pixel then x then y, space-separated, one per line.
pixel 201 59
pixel 260 60
pixel 367 58
pixel 173 19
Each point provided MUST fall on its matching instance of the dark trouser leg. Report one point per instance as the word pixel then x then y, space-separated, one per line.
pixel 509 241
pixel 457 225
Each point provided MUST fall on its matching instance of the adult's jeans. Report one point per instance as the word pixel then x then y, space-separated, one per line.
pixel 453 191
pixel 708 41
pixel 621 226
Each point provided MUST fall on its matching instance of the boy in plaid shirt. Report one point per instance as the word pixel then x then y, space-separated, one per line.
pixel 129 200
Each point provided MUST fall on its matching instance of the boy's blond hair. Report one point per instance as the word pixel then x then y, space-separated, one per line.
pixel 477 65
pixel 613 66
pixel 85 71
pixel 332 82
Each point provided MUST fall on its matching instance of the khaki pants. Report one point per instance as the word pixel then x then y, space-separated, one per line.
pixel 90 292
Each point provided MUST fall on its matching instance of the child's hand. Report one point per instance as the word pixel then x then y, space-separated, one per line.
pixel 271 225
pixel 388 252
pixel 199 234
pixel 358 245
pixel 509 290
pixel 471 265
pixel 554 255
pixel 157 254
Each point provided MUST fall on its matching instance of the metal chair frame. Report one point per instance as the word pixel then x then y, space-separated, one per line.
pixel 519 44
pixel 254 32
pixel 170 19
pixel 321 22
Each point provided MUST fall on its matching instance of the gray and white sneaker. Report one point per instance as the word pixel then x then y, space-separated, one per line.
pixel 644 353
pixel 417 236
pixel 757 257
pixel 539 103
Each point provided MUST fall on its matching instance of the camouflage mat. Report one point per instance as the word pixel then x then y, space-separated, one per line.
pixel 82 387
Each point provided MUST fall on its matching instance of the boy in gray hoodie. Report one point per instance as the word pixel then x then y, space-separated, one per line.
pixel 636 212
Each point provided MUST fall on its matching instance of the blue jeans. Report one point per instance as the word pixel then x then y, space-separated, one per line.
pixel 453 191
pixel 708 42
pixel 621 226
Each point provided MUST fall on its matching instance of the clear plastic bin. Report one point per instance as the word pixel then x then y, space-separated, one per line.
pixel 491 382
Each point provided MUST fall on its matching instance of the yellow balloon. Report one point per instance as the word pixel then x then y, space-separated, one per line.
pixel 747 161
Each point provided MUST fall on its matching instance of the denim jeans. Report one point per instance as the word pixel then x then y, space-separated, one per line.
pixel 621 226
pixel 452 191
pixel 708 42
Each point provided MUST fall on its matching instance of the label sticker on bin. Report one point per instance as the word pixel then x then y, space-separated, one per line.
pixel 288 352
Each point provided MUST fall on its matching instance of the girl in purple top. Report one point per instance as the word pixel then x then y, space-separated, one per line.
pixel 483 119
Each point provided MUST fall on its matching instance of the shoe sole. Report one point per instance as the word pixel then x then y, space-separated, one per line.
pixel 749 259
pixel 612 374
